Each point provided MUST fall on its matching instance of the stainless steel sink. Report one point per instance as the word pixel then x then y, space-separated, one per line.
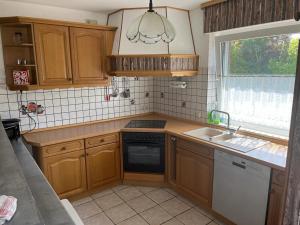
pixel 230 140
pixel 239 142
pixel 205 133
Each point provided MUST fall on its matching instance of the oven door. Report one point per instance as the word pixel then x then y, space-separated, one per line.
pixel 144 157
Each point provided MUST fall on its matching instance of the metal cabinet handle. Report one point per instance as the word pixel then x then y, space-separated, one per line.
pixel 238 165
pixel 173 138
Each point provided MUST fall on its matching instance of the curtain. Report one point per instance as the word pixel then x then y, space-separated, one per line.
pixel 260 102
pixel 239 13
pixel 292 203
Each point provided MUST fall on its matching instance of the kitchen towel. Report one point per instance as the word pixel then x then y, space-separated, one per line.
pixel 8 207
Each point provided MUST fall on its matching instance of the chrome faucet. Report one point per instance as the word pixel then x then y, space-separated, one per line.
pixel 222 112
pixel 231 130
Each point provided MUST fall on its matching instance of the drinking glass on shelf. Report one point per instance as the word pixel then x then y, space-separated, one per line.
pixel 18 37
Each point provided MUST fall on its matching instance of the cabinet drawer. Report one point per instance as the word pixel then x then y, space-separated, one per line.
pixel 101 140
pixel 196 148
pixel 278 177
pixel 62 148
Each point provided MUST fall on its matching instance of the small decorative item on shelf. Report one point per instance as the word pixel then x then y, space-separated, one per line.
pixel 18 38
pixel 21 77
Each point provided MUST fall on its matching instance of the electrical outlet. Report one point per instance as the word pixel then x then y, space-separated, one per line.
pixel 183 104
pixel 147 94
pixel 162 95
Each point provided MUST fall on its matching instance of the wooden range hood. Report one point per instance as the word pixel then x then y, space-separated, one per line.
pixel 154 65
pixel 175 59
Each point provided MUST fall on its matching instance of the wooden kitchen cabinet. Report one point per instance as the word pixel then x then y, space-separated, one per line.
pixel 88 55
pixel 66 173
pixel 194 170
pixel 53 54
pixel 276 197
pixel 103 165
pixel 59 54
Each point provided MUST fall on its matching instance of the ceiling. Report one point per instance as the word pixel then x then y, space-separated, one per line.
pixel 111 5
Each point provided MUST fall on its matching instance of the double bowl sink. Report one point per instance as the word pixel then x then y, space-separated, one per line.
pixel 230 140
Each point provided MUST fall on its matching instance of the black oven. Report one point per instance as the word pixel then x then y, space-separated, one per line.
pixel 144 152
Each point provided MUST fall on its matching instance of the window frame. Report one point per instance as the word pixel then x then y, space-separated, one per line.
pixel 223 36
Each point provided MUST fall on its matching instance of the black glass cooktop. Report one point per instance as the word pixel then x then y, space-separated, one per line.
pixel 146 124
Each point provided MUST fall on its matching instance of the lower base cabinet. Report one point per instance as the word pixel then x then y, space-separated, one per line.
pixel 66 173
pixel 194 170
pixel 103 165
pixel 276 198
pixel 77 166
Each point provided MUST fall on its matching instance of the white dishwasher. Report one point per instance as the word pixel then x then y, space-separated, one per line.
pixel 240 189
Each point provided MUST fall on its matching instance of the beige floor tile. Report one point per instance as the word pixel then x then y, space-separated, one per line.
pixel 87 209
pixel 174 206
pixel 145 189
pixel 120 213
pixel 204 212
pixel 213 223
pixel 186 201
pixel 141 203
pixel 129 193
pixel 136 220
pixel 82 201
pixel 170 191
pixel 159 196
pixel 99 219
pixel 173 221
pixel 156 215
pixel 217 222
pixel 109 201
pixel 193 217
pixel 120 187
pixel 102 193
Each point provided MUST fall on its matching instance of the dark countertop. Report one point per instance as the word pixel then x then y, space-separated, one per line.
pixel 21 177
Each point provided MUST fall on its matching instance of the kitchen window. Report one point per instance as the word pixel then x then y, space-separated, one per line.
pixel 256 81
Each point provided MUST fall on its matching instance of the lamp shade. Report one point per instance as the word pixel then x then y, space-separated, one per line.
pixel 150 28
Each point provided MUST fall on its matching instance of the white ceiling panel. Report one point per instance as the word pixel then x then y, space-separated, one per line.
pixel 111 5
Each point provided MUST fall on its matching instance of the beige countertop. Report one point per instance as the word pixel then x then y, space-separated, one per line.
pixel 273 155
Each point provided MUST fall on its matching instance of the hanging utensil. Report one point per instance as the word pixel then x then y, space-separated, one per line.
pixel 106 94
pixel 115 89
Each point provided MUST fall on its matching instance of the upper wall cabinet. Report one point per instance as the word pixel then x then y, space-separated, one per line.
pixel 53 54
pixel 44 54
pixel 88 55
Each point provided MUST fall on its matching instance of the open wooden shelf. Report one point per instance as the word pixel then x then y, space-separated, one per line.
pixel 21 65
pixel 14 50
pixel 19 45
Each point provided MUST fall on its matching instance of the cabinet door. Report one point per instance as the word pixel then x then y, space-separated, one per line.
pixel 103 165
pixel 275 205
pixel 194 175
pixel 88 55
pixel 53 54
pixel 66 173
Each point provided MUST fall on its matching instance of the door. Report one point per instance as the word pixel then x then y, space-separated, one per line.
pixel 194 175
pixel 66 173
pixel 88 55
pixel 103 165
pixel 53 54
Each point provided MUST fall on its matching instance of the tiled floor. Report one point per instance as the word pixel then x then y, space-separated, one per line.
pixel 136 205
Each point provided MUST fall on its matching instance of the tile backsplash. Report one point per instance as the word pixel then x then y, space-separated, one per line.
pixel 76 105
pixel 70 106
pixel 189 103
